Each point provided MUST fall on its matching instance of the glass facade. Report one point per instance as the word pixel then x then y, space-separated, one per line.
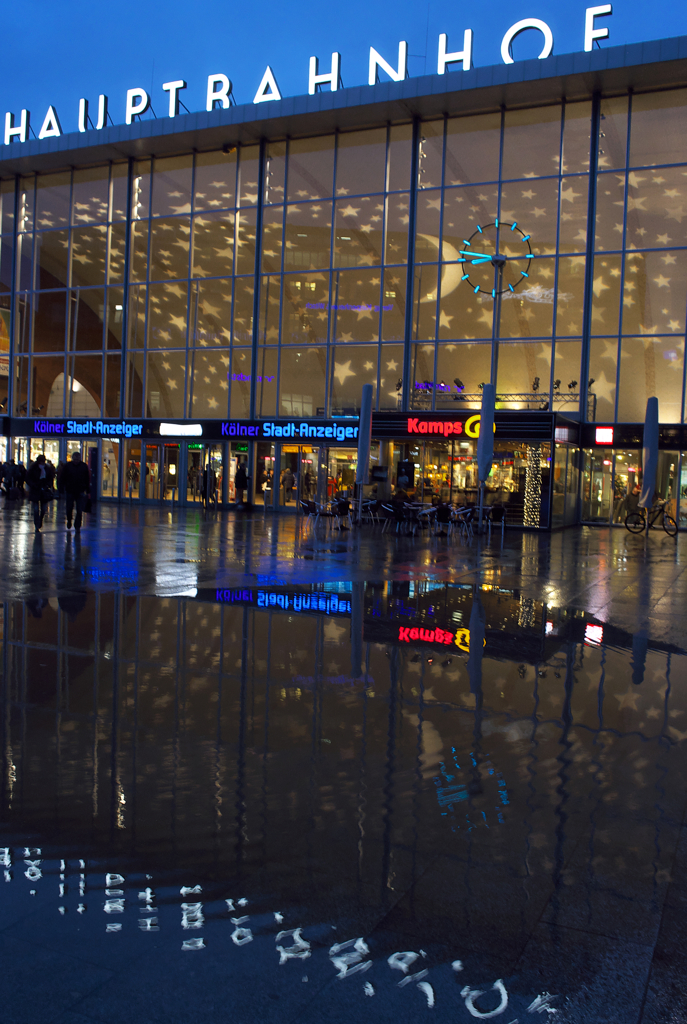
pixel 275 279
pixel 640 258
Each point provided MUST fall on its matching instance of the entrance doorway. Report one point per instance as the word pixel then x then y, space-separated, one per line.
pixel 204 473
pixel 88 451
pixel 109 468
pixel 264 474
pixel 297 474
pixel 161 477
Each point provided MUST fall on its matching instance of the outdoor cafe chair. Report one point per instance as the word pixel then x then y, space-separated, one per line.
pixel 426 517
pixel 411 517
pixel 316 511
pixel 444 517
pixel 341 510
pixel 464 517
pixel 392 514
pixel 308 509
pixel 371 512
pixel 497 514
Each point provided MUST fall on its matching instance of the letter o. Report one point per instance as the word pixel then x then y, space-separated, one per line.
pixel 519 27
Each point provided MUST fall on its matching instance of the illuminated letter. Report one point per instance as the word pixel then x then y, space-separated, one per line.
pixel 315 79
pixel 21 132
pixel 173 89
pixel 51 125
pixel 472 425
pixel 218 95
pixel 102 112
pixel 463 56
pixel 268 82
pixel 83 114
pixel 591 33
pixel 376 62
pixel 137 102
pixel 519 27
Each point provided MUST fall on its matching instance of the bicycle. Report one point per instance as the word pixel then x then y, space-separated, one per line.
pixel 635 521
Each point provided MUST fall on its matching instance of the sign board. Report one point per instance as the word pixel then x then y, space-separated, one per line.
pixel 341 431
pixel 313 431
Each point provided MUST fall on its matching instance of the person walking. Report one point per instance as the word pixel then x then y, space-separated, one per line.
pixel 76 480
pixel 287 482
pixel 40 479
pixel 58 477
pixel 240 482
pixel 11 476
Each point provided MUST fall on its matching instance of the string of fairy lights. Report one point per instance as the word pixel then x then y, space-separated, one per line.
pixel 533 485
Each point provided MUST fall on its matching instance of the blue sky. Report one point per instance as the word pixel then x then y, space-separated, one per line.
pixel 57 53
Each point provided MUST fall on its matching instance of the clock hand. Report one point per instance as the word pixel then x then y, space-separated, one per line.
pixel 479 255
pixel 480 259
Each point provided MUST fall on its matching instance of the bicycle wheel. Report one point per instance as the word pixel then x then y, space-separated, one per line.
pixel 634 522
pixel 669 525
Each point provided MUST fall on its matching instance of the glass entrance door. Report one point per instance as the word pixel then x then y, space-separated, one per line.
pixel 204 474
pixel 597 485
pixel 109 470
pixel 289 476
pixel 133 469
pixel 151 487
pixel 170 475
pixel 297 476
pixel 161 473
pixel 264 474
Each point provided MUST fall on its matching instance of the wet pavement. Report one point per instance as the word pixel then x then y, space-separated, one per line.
pixel 257 771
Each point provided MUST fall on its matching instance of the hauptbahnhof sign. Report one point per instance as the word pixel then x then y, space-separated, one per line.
pixel 219 87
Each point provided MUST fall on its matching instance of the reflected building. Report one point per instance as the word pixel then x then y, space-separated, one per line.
pixel 232 272
pixel 266 687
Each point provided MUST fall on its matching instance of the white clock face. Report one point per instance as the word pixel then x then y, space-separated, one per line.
pixel 496 258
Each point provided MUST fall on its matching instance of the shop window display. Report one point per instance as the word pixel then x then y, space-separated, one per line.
pixel 446 471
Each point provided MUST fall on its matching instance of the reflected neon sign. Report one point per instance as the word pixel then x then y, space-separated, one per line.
pixel 322 603
pixel 417 634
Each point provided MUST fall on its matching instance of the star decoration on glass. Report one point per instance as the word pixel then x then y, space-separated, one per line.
pixel 342 371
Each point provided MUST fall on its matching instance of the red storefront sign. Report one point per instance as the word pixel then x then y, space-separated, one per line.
pixel 447 428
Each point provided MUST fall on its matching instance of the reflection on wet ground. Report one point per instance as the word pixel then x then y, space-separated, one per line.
pixel 239 783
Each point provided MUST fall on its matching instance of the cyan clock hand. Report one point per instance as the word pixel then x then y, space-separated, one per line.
pixel 481 257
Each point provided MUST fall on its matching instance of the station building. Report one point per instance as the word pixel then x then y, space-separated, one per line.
pixel 215 288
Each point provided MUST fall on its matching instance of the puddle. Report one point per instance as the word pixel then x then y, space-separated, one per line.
pixel 366 801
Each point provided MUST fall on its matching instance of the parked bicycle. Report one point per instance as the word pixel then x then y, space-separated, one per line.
pixel 636 521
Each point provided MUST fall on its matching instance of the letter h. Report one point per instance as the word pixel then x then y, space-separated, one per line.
pixel 21 132
pixel 315 80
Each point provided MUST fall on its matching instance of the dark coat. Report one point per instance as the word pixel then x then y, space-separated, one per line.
pixel 75 478
pixel 40 489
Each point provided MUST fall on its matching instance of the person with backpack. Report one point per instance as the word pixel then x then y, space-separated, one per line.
pixel 40 479
pixel 76 480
